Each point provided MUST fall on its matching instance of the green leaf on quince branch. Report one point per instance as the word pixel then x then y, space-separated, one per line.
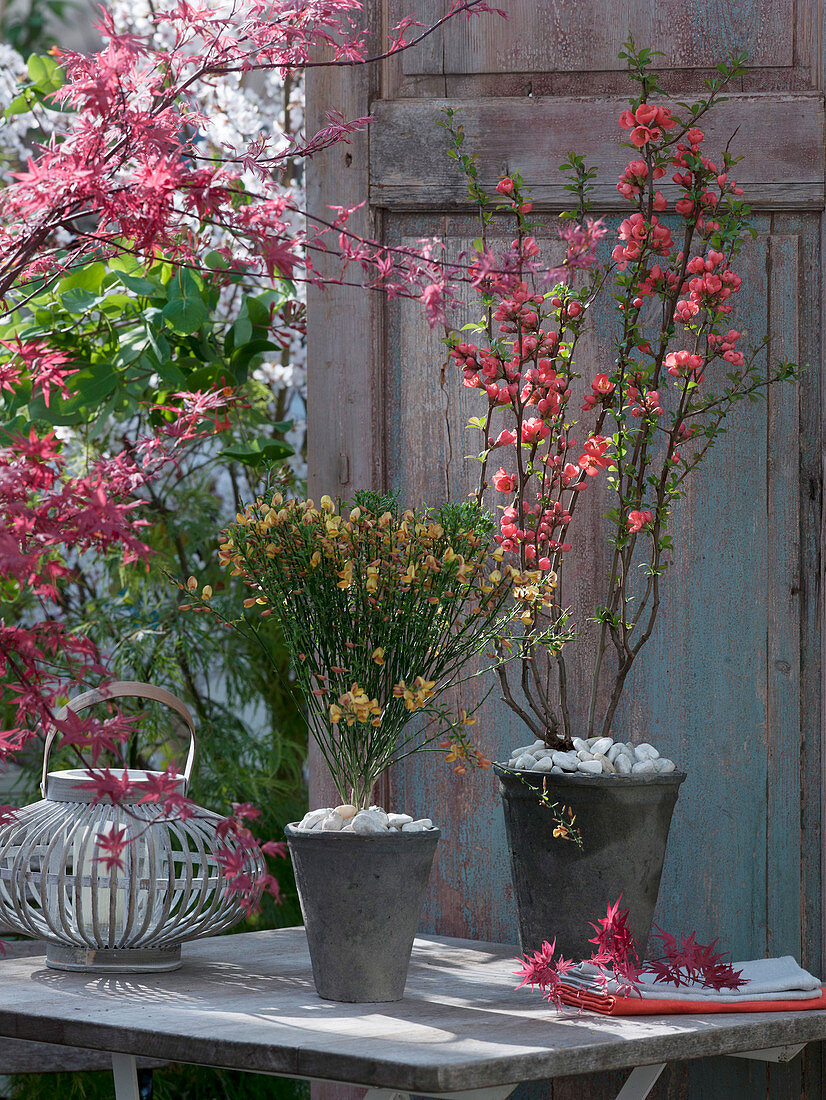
pixel 19 425
pixel 211 377
pixel 185 315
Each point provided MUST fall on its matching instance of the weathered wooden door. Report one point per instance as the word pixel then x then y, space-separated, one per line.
pixel 731 686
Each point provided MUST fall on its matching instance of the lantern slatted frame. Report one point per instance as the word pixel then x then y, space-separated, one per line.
pixel 171 886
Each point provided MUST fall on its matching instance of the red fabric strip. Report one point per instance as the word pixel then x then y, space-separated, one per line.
pixel 610 1005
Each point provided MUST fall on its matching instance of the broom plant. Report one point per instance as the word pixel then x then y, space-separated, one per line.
pixel 382 612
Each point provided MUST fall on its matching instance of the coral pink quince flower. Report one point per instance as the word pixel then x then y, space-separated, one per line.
pixel 684 432
pixel 594 456
pixel 601 387
pixel 641 135
pixel 685 310
pixel 646 114
pixel 637 520
pixel 680 364
pixel 505 438
pixel 503 482
pixel 534 430
pixel 602 384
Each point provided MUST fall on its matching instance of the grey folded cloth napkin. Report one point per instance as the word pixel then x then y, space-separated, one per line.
pixel 763 980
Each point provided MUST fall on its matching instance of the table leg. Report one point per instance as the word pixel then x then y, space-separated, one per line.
pixel 641 1082
pixel 125 1072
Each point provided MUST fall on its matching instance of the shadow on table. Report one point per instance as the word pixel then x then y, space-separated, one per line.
pixel 267 977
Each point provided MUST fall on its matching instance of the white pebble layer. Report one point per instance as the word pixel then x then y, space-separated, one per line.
pixel 593 756
pixel 347 819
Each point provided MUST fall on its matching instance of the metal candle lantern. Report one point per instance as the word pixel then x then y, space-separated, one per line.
pixel 171 888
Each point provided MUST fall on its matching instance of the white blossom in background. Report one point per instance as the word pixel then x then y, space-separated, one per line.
pixel 14 130
pixel 243 108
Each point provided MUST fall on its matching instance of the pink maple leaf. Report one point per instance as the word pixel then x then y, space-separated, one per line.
pixel 106 785
pixel 112 844
pixel 539 969
pixel 692 963
pixel 275 848
pixel 245 810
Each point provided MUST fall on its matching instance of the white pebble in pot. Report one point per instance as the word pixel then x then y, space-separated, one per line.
pixel 365 823
pixel 396 821
pixel 646 751
pixel 313 818
pixel 545 764
pixel 590 767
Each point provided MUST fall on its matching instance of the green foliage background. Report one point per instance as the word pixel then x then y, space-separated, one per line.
pixel 132 350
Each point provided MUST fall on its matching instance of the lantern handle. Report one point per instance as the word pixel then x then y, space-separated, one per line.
pixel 120 689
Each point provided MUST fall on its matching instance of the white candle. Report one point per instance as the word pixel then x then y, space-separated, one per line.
pixel 89 863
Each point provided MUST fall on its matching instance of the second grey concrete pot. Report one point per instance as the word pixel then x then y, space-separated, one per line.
pixel 561 888
pixel 361 898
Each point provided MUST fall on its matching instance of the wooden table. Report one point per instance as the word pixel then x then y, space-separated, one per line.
pixel 248 1002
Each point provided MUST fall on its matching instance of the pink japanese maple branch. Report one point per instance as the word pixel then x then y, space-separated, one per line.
pixel 615 959
pixel 469 7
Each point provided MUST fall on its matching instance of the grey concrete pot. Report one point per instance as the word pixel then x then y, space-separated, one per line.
pixel 361 898
pixel 559 887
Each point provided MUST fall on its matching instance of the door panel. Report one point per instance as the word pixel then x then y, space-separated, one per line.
pixel 410 169
pixel 558 36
